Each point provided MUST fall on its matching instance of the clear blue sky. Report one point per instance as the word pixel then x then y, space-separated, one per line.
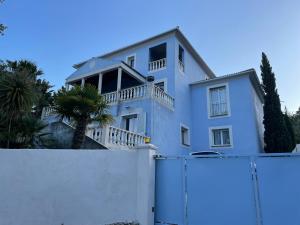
pixel 230 35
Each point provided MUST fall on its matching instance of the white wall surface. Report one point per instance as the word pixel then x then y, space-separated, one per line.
pixel 76 187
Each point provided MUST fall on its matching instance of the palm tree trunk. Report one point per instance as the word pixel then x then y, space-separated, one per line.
pixel 9 130
pixel 79 134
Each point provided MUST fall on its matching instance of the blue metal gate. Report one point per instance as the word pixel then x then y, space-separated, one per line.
pixel 228 190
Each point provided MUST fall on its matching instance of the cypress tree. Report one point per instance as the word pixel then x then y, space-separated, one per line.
pixel 295 119
pixel 276 135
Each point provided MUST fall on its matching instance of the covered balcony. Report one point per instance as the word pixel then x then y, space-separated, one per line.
pixel 119 82
pixel 116 82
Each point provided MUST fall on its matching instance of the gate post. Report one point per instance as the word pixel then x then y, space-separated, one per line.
pixel 145 183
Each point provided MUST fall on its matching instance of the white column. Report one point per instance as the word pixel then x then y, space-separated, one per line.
pixel 82 82
pixel 119 78
pixel 100 83
pixel 67 86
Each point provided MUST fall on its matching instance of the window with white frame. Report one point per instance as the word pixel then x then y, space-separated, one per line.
pixel 185 135
pixel 218 101
pixel 129 122
pixel 131 61
pixel 221 137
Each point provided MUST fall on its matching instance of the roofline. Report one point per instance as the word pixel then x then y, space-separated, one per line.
pixel 224 77
pixel 180 36
pixel 252 75
pixel 122 64
pixel 194 53
pixel 128 46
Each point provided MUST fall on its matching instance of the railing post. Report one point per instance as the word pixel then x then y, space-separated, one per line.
pixel 150 89
pixel 43 113
pixel 105 135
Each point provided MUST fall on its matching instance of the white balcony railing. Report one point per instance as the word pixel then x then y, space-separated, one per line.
pixel 133 92
pixel 142 91
pixel 110 97
pixel 110 136
pixel 162 96
pixel 158 64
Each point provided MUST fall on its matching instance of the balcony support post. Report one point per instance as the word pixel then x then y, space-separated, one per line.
pixel 82 82
pixel 119 79
pixel 100 83
pixel 119 82
pixel 67 86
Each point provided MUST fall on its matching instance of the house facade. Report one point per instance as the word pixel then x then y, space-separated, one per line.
pixel 162 92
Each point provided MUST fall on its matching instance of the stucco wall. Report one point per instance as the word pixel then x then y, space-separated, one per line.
pixel 183 98
pixel 259 116
pixel 76 187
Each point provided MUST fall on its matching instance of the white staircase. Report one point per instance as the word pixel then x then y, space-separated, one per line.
pixel 108 136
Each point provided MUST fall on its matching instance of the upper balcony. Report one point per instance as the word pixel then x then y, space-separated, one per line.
pixel 157 57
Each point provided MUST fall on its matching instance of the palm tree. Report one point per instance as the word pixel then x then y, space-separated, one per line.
pixel 16 96
pixel 30 132
pixel 26 132
pixel 44 96
pixel 23 66
pixel 83 105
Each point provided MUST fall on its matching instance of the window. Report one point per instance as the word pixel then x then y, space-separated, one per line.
pixel 158 52
pixel 161 85
pixel 130 123
pixel 157 57
pixel 185 135
pixel 181 58
pixel 131 61
pixel 221 137
pixel 218 101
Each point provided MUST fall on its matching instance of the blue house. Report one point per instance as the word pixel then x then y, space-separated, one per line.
pixel 161 91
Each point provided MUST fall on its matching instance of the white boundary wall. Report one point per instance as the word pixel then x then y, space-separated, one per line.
pixel 76 187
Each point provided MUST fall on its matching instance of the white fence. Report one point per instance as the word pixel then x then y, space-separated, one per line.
pixel 76 187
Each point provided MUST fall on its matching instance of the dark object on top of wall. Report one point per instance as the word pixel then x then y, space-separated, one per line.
pixel 150 78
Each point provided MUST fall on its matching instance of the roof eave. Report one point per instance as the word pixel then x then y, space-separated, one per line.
pixel 173 30
pixel 195 54
pixel 252 76
pixel 122 64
